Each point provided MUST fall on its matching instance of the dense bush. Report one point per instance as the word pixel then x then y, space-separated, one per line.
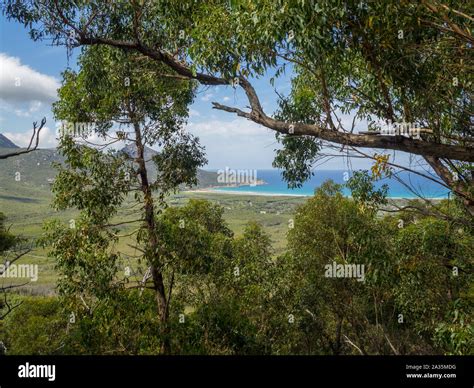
pixel 233 296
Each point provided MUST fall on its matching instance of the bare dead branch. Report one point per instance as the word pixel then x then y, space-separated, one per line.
pixel 34 140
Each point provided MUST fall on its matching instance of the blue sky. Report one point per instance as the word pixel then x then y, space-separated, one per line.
pixel 30 73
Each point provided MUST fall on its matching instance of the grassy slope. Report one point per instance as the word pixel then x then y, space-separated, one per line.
pixel 26 203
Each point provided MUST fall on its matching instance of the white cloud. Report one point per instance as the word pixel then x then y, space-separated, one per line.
pixel 207 97
pixel 225 99
pixel 21 84
pixel 238 127
pixel 49 138
pixel 238 143
pixel 22 109
pixel 194 113
pixel 22 139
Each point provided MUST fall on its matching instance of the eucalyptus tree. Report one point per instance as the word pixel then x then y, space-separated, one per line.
pixel 12 248
pixel 434 291
pixel 7 242
pixel 115 98
pixel 398 62
pixel 415 295
pixel 343 259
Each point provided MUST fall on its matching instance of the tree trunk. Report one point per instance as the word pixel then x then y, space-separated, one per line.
pixel 460 188
pixel 151 251
pixel 337 343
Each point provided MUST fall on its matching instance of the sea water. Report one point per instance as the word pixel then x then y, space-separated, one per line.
pixel 275 185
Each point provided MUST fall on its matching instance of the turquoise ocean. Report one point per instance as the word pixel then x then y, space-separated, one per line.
pixel 275 185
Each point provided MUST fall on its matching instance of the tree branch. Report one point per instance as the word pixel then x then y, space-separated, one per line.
pixel 398 142
pixel 34 139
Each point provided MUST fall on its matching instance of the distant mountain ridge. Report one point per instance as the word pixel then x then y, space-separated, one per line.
pixel 5 142
pixel 131 150
pixel 35 168
pixel 205 178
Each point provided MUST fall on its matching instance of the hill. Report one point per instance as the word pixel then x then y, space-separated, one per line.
pixel 34 170
pixel 205 178
pixel 6 143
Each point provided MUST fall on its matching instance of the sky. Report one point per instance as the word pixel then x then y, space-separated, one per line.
pixel 30 74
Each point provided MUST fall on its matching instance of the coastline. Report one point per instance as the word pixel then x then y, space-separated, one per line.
pixel 271 184
pixel 261 194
